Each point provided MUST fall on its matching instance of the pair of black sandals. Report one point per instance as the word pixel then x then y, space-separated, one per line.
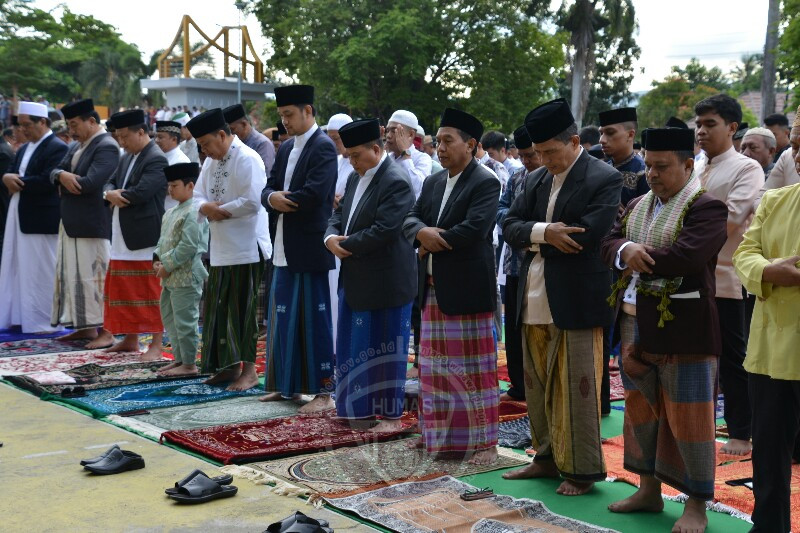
pixel 299 523
pixel 113 461
pixel 197 487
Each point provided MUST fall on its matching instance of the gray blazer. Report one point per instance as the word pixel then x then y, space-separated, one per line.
pixel 382 271
pixel 85 215
pixel 146 188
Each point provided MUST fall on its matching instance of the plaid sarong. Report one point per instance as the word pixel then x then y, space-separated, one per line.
pixel 132 298
pixel 458 391
pixel 669 415
pixel 230 331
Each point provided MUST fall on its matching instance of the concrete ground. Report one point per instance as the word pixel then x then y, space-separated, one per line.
pixel 43 488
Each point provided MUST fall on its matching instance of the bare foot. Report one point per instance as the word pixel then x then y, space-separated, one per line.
pixel 103 340
pixel 412 373
pixel 387 426
pixel 225 375
pixel 130 343
pixel 174 364
pixel 246 380
pixel 153 353
pixel 737 447
pixel 693 519
pixel 271 397
pixel 484 457
pixel 569 487
pixel 182 370
pixel 645 501
pixel 533 470
pixel 321 402
pixel 89 333
pixel 415 444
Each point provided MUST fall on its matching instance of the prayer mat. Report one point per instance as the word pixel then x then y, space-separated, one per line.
pixel 352 470
pixel 514 433
pixel 617 390
pixel 90 377
pixel 12 366
pixel 435 505
pixel 150 395
pixel 502 364
pixel 232 411
pixel 291 435
pixel 39 345
pixel 722 431
pixel 15 334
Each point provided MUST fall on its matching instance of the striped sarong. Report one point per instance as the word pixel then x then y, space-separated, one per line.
pixel 669 427
pixel 299 337
pixel 563 371
pixel 132 298
pixel 371 357
pixel 80 277
pixel 458 391
pixel 230 331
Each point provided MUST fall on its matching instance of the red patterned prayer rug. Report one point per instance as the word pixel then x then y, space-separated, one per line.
pixel 10 366
pixel 253 441
pixel 617 390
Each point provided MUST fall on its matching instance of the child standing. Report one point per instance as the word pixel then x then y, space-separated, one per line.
pixel 176 261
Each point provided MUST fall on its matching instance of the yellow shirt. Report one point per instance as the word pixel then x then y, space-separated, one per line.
pixel 774 345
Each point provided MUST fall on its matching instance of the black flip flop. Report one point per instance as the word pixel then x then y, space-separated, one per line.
pixel 99 458
pixel 201 489
pixel 226 479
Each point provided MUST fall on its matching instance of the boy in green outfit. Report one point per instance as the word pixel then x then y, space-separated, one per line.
pixel 176 260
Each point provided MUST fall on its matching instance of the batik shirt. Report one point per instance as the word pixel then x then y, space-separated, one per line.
pixel 183 241
pixel 634 183
pixel 512 259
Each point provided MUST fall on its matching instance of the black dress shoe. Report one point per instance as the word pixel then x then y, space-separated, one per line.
pixel 115 462
pixel 85 462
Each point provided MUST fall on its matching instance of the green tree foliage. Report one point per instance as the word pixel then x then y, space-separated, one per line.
pixel 77 55
pixel 747 76
pixel 369 58
pixel 789 47
pixel 696 74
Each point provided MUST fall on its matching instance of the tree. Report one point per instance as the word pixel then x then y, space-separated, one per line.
pixel 369 58
pixel 770 69
pixel 606 27
pixel 697 74
pixel 789 46
pixel 747 76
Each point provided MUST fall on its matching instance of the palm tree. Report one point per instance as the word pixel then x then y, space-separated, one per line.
pixel 112 76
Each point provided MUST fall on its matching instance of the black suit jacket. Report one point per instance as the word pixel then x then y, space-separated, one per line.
pixel 382 271
pixel 146 188
pixel 577 284
pixel 38 202
pixel 693 256
pixel 312 185
pixel 85 215
pixel 6 159
pixel 464 277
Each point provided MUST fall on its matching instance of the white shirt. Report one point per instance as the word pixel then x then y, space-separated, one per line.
pixel 119 250
pixel 236 180
pixel 343 172
pixel 26 157
pixel 448 189
pixel 279 259
pixel 418 168
pixel 536 307
pixel 174 157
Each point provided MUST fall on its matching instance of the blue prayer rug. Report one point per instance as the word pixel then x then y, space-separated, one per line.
pixel 514 433
pixel 150 395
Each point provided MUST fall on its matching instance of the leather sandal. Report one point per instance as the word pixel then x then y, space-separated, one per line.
pixel 284 525
pixel 116 462
pixel 85 462
pixel 225 479
pixel 201 489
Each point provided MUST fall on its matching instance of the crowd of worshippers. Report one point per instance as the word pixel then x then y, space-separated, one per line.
pixel 338 244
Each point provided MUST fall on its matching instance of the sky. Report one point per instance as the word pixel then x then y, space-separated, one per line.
pixel 717 32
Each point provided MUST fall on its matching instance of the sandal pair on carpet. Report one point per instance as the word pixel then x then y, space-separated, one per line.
pixel 299 523
pixel 113 461
pixel 197 487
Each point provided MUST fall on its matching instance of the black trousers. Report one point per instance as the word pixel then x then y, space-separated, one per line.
pixel 732 375
pixel 776 420
pixel 514 340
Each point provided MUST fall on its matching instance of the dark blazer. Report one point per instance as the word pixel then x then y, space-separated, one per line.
pixel 38 202
pixel 382 271
pixel 577 284
pixel 6 159
pixel 693 256
pixel 86 215
pixel 464 277
pixel 311 187
pixel 146 188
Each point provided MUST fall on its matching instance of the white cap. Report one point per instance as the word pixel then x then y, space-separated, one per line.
pixel 406 118
pixel 420 131
pixel 337 121
pixel 182 118
pixel 764 132
pixel 33 109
